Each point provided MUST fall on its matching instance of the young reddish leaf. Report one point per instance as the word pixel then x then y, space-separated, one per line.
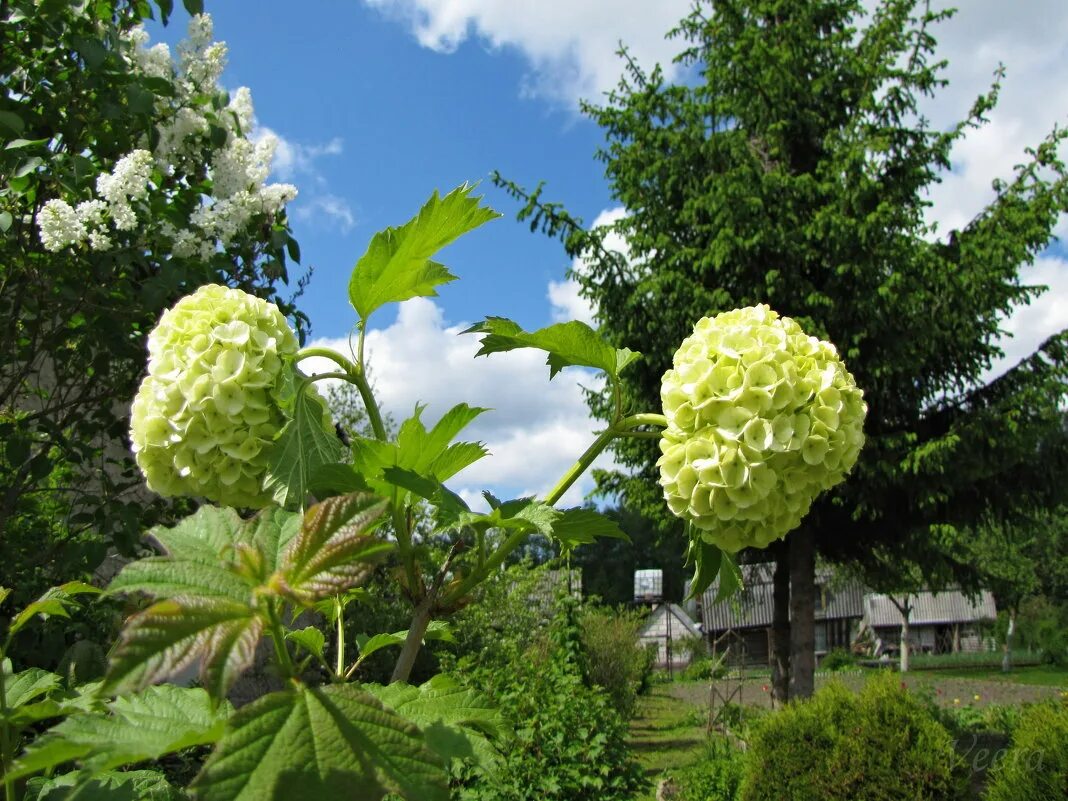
pixel 333 550
pixel 170 635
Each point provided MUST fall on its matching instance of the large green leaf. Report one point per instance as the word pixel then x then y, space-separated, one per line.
pixel 171 635
pixel 456 721
pixel 26 685
pixel 109 785
pixel 158 721
pixel 580 526
pixel 334 549
pixel 164 577
pixel 55 602
pixel 201 537
pixel 302 447
pixel 520 515
pixel 397 263
pixel 568 344
pixel 310 744
pixel 270 532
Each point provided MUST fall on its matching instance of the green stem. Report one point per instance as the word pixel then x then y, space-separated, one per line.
pixel 578 468
pixel 327 353
pixel 5 742
pixel 339 671
pixel 285 663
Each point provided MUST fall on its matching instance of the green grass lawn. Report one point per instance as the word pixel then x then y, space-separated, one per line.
pixel 1038 675
pixel 668 733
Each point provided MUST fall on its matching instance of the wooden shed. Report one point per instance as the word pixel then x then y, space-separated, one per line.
pixel 667 625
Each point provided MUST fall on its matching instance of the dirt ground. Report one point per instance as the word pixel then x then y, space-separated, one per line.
pixel 947 690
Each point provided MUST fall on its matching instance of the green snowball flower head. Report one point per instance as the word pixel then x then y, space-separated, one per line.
pixel 208 410
pixel 762 418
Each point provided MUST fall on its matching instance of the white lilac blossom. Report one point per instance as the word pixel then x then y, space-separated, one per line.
pixel 209 408
pixel 237 167
pixel 762 418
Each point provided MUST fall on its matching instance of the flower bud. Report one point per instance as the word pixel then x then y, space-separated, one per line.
pixel 208 410
pixel 761 419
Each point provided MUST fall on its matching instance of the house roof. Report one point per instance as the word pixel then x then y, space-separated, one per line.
pixel 677 613
pixel 752 607
pixel 929 608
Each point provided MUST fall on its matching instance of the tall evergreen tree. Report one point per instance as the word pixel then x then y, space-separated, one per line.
pixel 794 171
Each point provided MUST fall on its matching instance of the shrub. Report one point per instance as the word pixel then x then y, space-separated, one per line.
pixel 716 777
pixel 880 745
pixel 838 659
pixel 569 742
pixel 615 658
pixel 1036 766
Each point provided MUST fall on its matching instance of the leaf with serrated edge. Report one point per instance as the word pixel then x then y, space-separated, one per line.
pixel 706 559
pixel 730 578
pixel 442 703
pixel 310 639
pixel 271 531
pixel 568 344
pixel 311 744
pixel 201 537
pixel 170 635
pixel 158 721
pixel 55 601
pixel 333 550
pixel 302 446
pixel 26 685
pixel 163 577
pixel 397 263
pixel 579 526
pixel 109 785
pixel 522 514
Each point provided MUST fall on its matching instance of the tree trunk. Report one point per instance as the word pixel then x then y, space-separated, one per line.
pixel 780 628
pixel 905 642
pixel 802 613
pixel 412 643
pixel 1006 656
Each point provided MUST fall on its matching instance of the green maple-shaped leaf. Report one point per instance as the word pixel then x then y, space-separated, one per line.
pixel 334 549
pixel 108 785
pixel 170 635
pixel 567 344
pixel 158 721
pixel 580 526
pixel 398 266
pixel 458 722
pixel 519 515
pixel 310 744
pixel 303 446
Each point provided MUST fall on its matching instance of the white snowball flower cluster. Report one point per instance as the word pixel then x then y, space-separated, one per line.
pixel 761 419
pixel 237 166
pixel 208 409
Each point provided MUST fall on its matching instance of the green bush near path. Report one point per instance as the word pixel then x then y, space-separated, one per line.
pixel 1036 766
pixel 882 744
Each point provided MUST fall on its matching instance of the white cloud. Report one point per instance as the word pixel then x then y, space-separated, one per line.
pixel 294 158
pixel 1032 43
pixel 298 161
pixel 1030 325
pixel 326 208
pixel 567 303
pixel 536 428
pixel 570 46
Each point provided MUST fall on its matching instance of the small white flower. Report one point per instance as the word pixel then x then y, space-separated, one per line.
pixel 59 226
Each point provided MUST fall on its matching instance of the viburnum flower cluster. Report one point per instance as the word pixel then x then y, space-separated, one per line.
pixel 761 419
pixel 186 128
pixel 209 408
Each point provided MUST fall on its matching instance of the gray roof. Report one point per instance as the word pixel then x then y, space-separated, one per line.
pixel 677 613
pixel 752 607
pixel 929 608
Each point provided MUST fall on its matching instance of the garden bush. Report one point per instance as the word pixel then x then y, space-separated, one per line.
pixel 838 659
pixel 569 740
pixel 1036 766
pixel 880 745
pixel 716 777
pixel 615 658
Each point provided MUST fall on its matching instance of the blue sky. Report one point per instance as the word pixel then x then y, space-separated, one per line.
pixel 379 102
